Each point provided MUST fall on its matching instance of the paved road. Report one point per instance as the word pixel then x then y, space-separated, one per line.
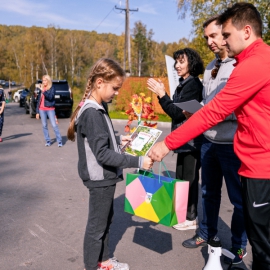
pixel 43 209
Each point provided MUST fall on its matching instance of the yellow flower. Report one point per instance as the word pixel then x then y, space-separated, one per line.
pixel 148 100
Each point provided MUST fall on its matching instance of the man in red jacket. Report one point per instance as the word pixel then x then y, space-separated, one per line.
pixel 247 94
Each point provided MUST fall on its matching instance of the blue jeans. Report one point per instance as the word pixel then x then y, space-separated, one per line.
pixel 51 115
pixel 218 161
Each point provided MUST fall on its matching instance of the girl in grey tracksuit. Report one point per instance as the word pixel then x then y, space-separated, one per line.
pixel 100 161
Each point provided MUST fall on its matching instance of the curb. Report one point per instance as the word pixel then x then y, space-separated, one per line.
pixel 160 124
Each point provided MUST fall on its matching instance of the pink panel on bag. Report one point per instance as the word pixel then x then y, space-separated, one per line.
pixel 181 200
pixel 135 193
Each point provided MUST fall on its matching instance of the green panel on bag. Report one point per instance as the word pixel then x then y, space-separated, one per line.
pixel 128 208
pixel 162 203
pixel 174 219
pixel 169 187
pixel 166 220
pixel 130 177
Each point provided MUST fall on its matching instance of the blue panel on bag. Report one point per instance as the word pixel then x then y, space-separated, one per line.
pixel 150 185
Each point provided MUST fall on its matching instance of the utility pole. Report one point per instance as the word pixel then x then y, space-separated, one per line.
pixel 127 35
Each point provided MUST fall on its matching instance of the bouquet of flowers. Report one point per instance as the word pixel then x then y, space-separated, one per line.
pixel 140 107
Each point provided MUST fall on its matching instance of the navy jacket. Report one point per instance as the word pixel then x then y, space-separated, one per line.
pixel 49 100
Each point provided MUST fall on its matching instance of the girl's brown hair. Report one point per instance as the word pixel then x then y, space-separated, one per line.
pixel 104 68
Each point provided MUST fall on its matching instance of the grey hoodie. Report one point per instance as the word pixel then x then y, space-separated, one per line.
pixel 223 132
pixel 100 162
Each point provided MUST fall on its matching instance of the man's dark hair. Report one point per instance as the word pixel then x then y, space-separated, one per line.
pixel 195 63
pixel 210 20
pixel 242 14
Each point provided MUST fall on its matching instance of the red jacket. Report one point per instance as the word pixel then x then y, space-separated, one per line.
pixel 247 94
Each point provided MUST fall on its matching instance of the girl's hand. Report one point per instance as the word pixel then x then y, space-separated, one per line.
pixel 156 87
pixel 125 139
pixel 37 116
pixel 147 163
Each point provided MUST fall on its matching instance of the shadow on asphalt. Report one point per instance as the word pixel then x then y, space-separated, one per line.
pixel 144 235
pixel 15 136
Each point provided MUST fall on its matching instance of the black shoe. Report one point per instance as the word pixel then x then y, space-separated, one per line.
pixel 194 242
pixel 239 254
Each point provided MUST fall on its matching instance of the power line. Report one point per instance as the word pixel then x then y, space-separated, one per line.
pixel 104 19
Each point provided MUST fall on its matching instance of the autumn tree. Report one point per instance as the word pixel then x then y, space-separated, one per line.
pixel 200 10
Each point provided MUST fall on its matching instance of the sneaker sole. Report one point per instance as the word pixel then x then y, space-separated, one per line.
pixel 229 262
pixel 200 245
pixel 193 227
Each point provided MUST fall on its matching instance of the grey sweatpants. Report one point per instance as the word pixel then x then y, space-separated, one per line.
pixel 96 239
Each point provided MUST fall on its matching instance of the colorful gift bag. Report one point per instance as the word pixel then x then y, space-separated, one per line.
pixel 156 198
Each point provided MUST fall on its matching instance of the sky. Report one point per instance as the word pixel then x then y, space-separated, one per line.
pixel 98 15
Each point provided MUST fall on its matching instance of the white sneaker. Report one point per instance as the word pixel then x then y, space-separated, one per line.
pixel 113 264
pixel 187 225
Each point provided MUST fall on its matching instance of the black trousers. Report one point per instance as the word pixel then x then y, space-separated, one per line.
pixel 187 168
pixel 1 122
pixel 256 205
pixel 96 239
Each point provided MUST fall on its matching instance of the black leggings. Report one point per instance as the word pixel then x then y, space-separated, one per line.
pixel 96 239
pixel 1 122
pixel 187 168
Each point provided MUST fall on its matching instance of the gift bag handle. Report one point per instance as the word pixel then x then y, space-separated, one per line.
pixel 161 162
pixel 151 170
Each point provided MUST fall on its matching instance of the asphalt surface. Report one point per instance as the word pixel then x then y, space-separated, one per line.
pixel 44 207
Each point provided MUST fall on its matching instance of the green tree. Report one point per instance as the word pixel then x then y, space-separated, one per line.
pixel 142 45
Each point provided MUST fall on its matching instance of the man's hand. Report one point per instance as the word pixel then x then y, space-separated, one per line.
pixel 37 116
pixel 187 114
pixel 147 163
pixel 158 151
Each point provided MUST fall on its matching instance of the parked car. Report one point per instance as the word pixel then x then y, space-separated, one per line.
pixel 63 98
pixel 2 82
pixel 13 83
pixel 23 96
pixel 16 96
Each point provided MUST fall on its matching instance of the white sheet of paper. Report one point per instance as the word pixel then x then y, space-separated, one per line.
pixel 140 141
pixel 190 106
pixel 172 74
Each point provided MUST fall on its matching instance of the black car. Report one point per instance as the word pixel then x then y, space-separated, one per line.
pixel 23 96
pixel 63 98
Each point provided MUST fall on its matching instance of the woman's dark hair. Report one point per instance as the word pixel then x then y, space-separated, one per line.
pixel 195 62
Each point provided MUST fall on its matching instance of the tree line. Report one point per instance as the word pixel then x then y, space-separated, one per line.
pixel 29 52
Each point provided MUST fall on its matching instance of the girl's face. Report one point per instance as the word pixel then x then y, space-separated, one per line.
pixel 107 90
pixel 181 66
pixel 44 82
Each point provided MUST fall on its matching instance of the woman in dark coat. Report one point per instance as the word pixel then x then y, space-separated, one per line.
pixel 189 66
pixel 2 107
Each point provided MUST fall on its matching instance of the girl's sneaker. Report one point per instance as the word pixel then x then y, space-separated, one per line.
pixel 113 264
pixel 60 144
pixel 1 139
pixel 48 143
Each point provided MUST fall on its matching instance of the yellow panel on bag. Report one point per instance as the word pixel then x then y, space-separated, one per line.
pixel 146 210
